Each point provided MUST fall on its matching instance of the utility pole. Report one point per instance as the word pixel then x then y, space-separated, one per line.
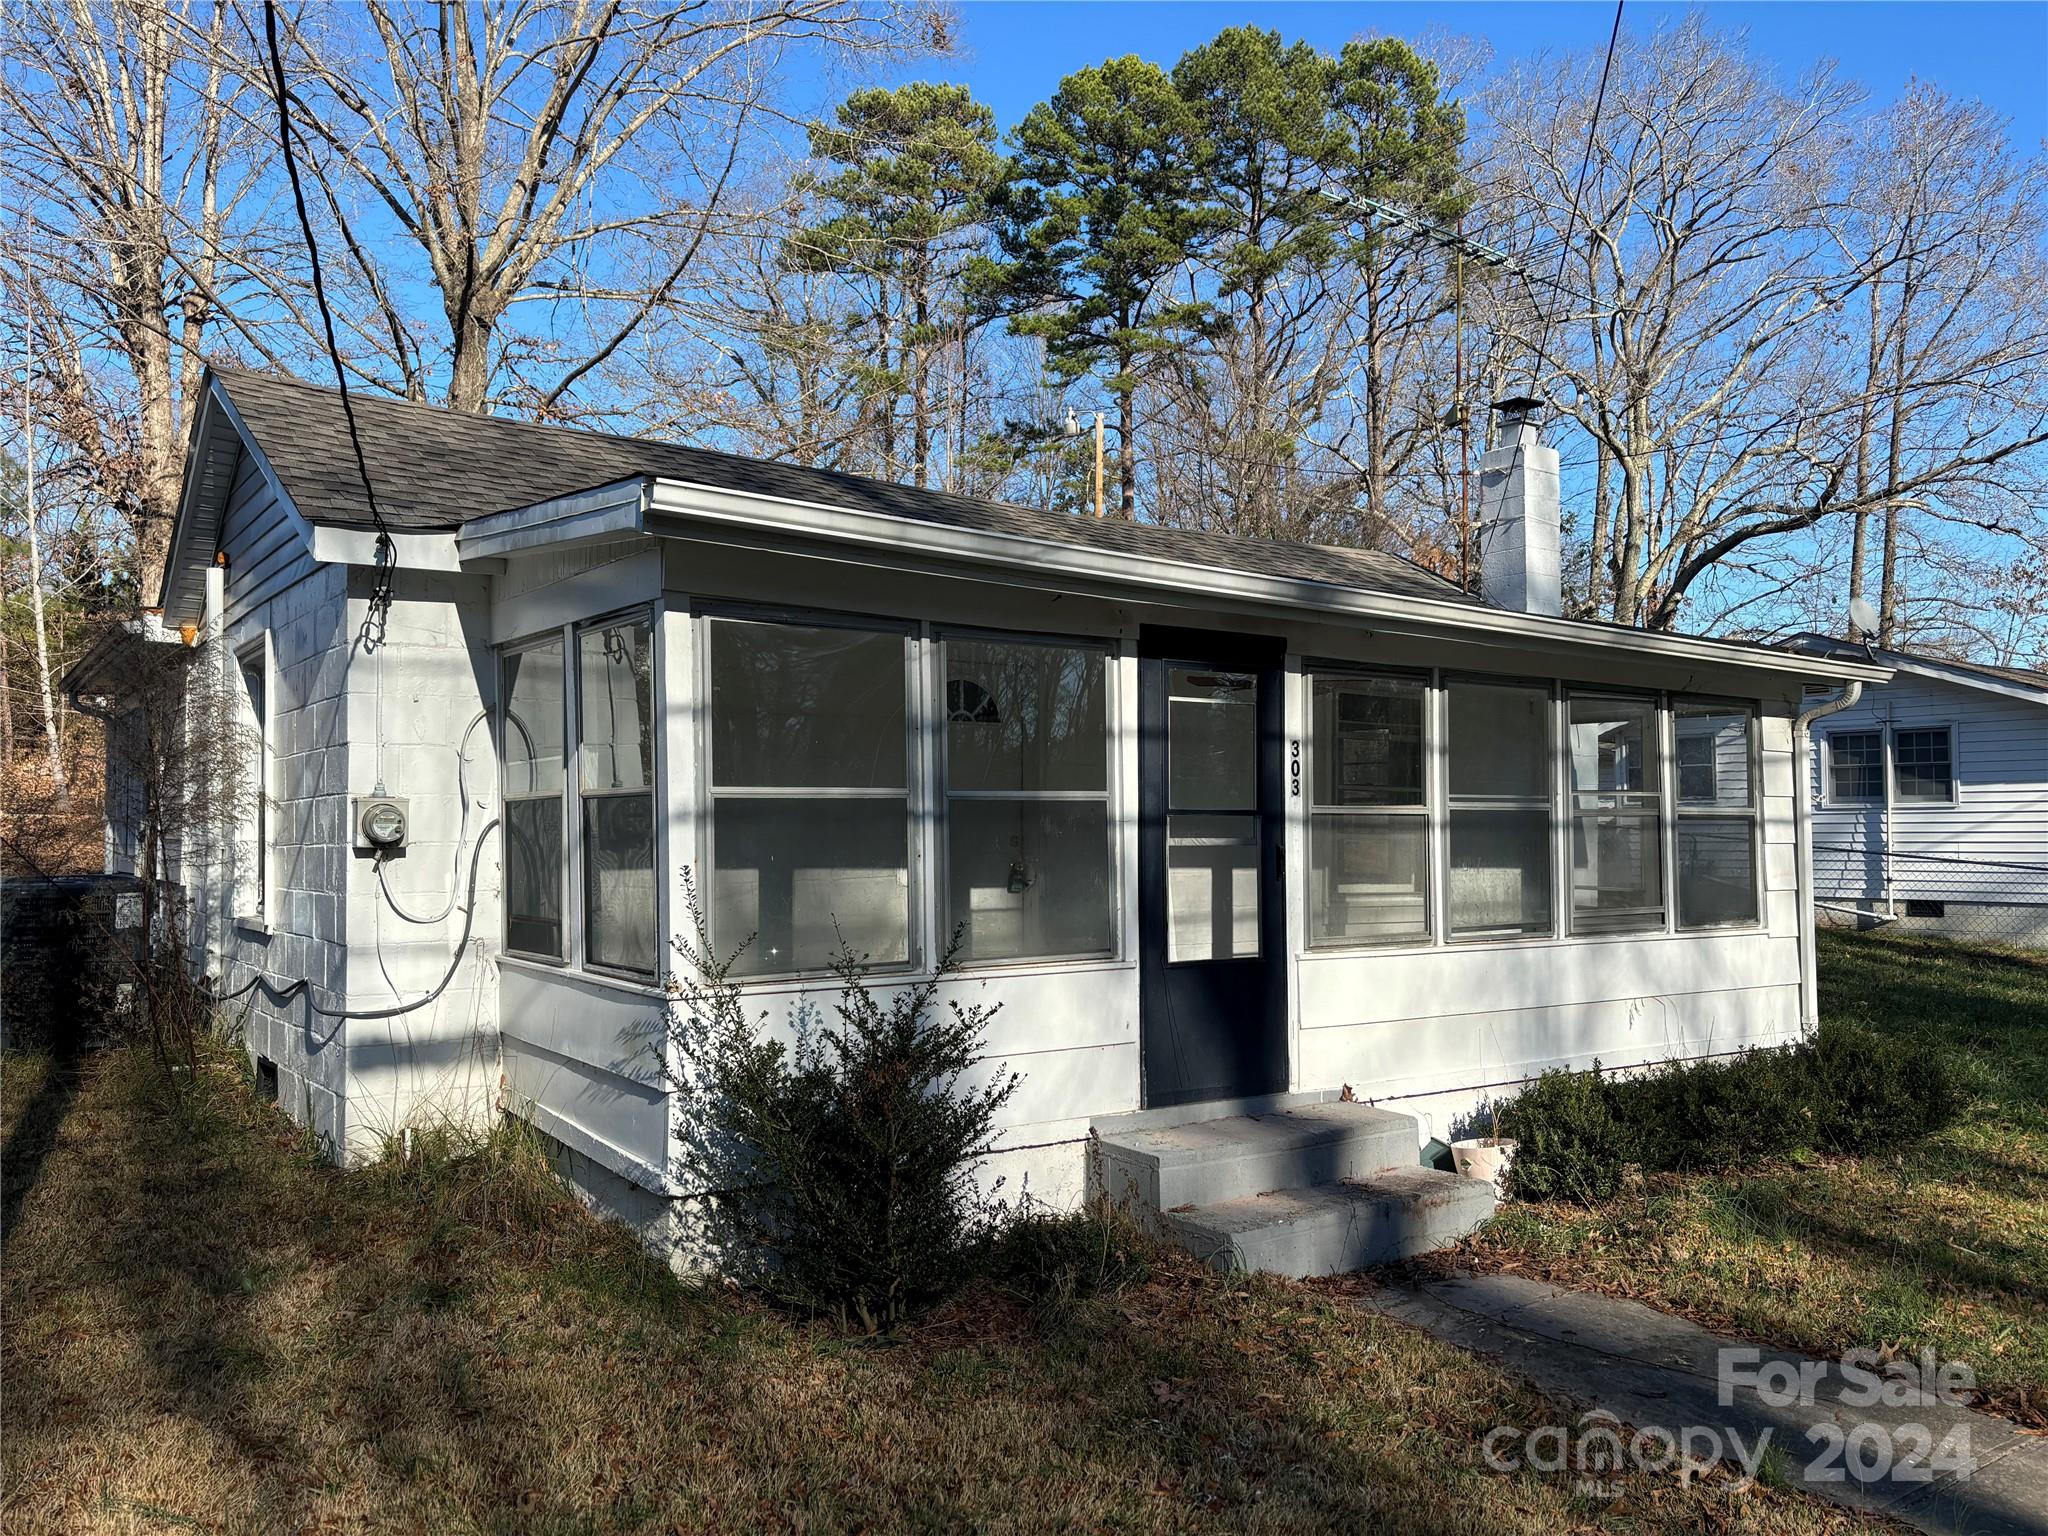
pixel 1098 463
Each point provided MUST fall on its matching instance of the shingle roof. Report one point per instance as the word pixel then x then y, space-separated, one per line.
pixel 1828 645
pixel 438 469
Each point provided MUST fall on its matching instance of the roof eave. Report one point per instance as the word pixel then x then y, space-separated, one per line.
pixel 656 506
pixel 1929 667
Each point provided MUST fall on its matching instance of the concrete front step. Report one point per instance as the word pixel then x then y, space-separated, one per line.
pixel 1333 1229
pixel 1211 1162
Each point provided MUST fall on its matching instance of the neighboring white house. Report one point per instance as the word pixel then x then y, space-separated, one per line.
pixel 1223 823
pixel 1930 798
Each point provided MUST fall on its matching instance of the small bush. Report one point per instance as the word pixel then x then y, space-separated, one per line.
pixel 1572 1144
pixel 1849 1090
pixel 1876 1090
pixel 1055 1259
pixel 842 1170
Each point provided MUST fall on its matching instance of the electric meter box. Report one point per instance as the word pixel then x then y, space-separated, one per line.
pixel 382 824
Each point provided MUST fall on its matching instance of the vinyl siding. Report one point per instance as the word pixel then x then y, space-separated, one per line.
pixel 2000 814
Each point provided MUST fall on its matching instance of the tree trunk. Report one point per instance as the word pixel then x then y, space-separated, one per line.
pixel 1888 589
pixel 1859 540
pixel 469 373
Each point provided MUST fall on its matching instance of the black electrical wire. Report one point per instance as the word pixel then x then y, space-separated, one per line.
pixel 387 550
pixel 290 990
pixel 1578 189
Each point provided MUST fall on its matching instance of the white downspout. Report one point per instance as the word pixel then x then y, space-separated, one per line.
pixel 1809 955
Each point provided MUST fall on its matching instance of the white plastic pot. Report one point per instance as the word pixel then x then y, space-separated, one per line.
pixel 1485 1157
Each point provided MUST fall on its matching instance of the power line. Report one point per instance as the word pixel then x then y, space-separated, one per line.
pixel 387 550
pixel 1578 187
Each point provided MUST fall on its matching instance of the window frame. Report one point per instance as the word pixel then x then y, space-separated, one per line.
pixel 573 789
pixel 1430 809
pixel 1923 802
pixel 1659 740
pixel 916 794
pixel 257 915
pixel 1854 802
pixel 1556 786
pixel 1754 812
pixel 562 635
pixel 943 795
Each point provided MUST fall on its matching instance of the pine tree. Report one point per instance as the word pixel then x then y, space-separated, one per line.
pixel 919 166
pixel 1099 219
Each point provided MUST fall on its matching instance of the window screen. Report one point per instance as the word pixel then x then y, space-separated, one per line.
pixel 1027 799
pixel 531 736
pixel 615 782
pixel 810 794
pixel 1616 803
pixel 1368 813
pixel 1498 839
pixel 1716 833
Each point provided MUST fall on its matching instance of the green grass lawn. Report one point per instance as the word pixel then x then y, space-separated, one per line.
pixel 206 1329
pixel 1942 1243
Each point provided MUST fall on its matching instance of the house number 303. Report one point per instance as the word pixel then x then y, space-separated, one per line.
pixel 1294 769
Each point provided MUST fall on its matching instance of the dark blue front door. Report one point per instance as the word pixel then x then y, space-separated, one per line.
pixel 1211 895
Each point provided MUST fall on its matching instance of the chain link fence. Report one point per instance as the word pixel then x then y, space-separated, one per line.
pixel 1984 901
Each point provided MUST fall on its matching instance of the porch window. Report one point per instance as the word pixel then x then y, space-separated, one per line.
pixel 1368 812
pixel 1027 799
pixel 810 794
pixel 534 729
pixel 1498 837
pixel 1923 765
pixel 1716 834
pixel 1616 830
pixel 615 782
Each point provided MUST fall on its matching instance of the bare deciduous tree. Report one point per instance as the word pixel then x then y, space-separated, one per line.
pixel 566 159
pixel 118 126
pixel 1709 365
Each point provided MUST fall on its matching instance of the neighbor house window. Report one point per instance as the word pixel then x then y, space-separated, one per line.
pixel 1616 832
pixel 1855 767
pixel 810 794
pixel 534 730
pixel 1716 832
pixel 615 783
pixel 252 893
pixel 1368 811
pixel 1498 842
pixel 1923 766
pixel 1027 799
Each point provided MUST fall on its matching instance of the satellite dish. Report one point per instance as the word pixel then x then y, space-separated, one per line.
pixel 1863 616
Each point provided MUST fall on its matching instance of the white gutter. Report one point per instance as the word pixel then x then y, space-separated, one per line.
pixel 1802 747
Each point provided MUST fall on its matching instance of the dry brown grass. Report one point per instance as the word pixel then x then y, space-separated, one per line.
pixel 1942 1244
pixel 206 1329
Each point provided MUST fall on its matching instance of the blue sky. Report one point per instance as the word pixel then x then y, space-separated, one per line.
pixel 1014 51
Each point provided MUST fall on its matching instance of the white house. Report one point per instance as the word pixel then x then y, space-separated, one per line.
pixel 1930 798
pixel 1225 825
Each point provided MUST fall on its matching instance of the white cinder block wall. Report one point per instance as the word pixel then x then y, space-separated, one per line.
pixel 411 700
pixel 308 849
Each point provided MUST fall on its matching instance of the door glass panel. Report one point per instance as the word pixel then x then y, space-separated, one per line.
pixel 1212 887
pixel 1212 740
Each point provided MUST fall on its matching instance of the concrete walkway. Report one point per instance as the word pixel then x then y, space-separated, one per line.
pixel 1914 1455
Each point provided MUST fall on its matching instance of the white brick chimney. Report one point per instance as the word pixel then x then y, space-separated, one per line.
pixel 1518 514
